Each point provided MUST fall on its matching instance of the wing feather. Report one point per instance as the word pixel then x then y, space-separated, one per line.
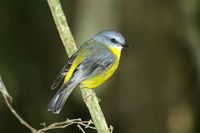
pixel 93 66
pixel 63 72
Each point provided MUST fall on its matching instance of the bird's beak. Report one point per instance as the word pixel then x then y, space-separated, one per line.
pixel 126 46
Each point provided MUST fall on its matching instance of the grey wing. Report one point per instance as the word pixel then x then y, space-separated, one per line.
pixel 92 66
pixel 63 71
pixel 87 69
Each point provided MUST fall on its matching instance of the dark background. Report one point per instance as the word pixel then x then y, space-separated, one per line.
pixel 156 88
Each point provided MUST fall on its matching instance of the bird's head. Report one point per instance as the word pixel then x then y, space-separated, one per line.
pixel 112 39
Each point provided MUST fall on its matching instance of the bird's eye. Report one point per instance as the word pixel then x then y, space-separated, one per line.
pixel 113 40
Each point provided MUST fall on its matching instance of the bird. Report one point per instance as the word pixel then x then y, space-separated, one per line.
pixel 94 62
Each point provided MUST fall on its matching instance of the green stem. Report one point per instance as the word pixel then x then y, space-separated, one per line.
pixel 92 103
pixel 62 26
pixel 89 95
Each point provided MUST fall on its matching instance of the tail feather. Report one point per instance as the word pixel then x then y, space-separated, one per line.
pixel 57 102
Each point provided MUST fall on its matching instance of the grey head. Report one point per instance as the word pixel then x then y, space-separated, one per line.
pixel 110 38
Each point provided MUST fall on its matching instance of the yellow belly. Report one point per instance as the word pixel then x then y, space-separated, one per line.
pixel 98 79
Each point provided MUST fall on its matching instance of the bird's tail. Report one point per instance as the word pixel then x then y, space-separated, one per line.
pixel 57 102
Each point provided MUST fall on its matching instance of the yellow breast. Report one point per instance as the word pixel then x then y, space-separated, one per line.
pixel 116 52
pixel 98 79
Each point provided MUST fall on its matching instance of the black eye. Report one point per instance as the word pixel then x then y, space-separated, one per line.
pixel 113 40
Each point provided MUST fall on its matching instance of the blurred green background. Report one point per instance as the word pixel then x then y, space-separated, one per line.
pixel 156 88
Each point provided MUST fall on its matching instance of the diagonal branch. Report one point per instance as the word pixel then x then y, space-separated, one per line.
pixel 89 95
pixel 62 26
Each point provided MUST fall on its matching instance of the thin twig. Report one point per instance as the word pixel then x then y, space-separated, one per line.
pixel 4 91
pixel 55 125
pixel 80 128
pixel 6 98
